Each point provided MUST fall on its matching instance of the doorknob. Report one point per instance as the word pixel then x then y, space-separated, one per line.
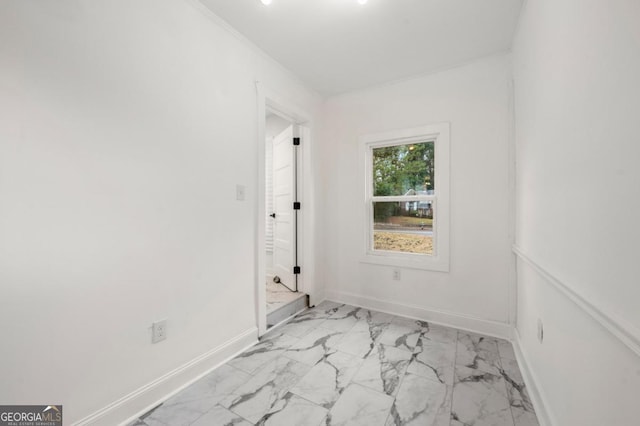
pixel 273 215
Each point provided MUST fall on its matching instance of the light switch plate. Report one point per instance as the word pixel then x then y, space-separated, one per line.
pixel 240 192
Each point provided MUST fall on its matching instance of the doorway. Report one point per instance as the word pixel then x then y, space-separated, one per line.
pixel 282 141
pixel 275 114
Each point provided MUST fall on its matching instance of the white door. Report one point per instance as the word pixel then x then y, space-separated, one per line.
pixel 284 187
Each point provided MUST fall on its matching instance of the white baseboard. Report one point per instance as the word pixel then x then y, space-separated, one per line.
pixel 138 402
pixel 536 393
pixel 450 319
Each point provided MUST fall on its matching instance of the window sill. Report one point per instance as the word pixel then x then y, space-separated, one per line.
pixel 429 264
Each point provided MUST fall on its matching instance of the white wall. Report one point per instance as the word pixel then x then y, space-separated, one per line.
pixel 577 97
pixel 124 128
pixel 474 99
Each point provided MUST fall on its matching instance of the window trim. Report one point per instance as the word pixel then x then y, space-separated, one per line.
pixel 439 134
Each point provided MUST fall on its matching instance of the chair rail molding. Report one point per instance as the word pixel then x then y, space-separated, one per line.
pixel 625 332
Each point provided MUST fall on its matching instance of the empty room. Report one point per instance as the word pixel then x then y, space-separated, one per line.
pixel 319 212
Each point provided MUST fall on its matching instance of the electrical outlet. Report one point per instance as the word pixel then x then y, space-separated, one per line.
pixel 396 274
pixel 540 331
pixel 158 331
pixel 240 192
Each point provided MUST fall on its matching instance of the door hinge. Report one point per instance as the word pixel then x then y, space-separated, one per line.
pixel 296 141
pixel 296 205
pixel 296 269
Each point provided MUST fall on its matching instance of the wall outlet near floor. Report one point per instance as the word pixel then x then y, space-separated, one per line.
pixel 396 274
pixel 540 331
pixel 158 331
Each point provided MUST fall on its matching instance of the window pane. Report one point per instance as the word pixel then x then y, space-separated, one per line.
pixel 405 226
pixel 404 169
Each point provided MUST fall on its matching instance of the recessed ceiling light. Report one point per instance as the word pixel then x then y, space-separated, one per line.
pixel 267 2
pixel 362 1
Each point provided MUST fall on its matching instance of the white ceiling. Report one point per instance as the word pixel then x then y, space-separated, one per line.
pixel 339 45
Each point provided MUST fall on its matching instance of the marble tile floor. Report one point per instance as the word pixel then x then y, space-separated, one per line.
pixel 278 295
pixel 342 365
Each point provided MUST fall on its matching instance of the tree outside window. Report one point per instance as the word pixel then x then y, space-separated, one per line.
pixel 404 197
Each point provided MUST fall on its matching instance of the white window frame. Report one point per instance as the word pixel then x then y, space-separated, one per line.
pixel 439 134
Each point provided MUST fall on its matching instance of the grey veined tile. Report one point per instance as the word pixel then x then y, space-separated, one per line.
pixel 478 352
pixel 311 318
pixel 362 338
pixel 383 369
pixel 270 348
pixel 292 410
pixel 511 371
pixel 421 402
pixel 344 310
pixel 439 333
pixel 342 365
pixel 220 416
pixel 313 313
pixel 342 319
pixel 327 307
pixel 479 399
pixel 522 417
pixel 299 327
pixel 434 360
pixel 519 400
pixel 324 383
pixel 256 397
pixel 403 333
pixel 360 406
pixel 199 398
pixel 374 317
pixel 314 346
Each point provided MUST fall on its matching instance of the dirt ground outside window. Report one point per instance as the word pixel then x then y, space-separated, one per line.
pixel 403 242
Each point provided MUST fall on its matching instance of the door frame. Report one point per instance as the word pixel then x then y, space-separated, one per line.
pixel 271 100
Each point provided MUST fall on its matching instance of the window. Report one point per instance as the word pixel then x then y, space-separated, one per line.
pixel 407 197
